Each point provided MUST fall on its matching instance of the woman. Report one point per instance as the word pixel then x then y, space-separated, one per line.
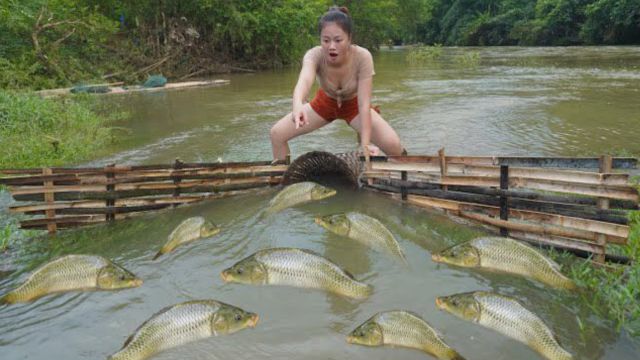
pixel 344 72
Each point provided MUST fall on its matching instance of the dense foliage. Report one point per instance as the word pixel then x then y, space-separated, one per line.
pixel 47 43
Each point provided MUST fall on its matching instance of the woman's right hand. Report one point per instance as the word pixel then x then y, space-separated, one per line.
pixel 299 116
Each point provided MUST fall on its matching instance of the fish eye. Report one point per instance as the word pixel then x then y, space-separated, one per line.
pixel 240 271
pixel 455 302
pixel 238 317
pixel 361 333
pixel 122 277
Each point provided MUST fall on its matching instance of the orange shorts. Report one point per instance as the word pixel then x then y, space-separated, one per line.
pixel 329 110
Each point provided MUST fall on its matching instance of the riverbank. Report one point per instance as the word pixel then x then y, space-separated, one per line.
pixel 36 132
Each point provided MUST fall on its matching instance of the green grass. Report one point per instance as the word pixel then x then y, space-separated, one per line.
pixel 612 292
pixel 36 132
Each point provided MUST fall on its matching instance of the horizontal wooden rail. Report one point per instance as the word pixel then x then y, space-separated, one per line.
pixel 144 176
pixel 580 177
pixel 560 225
pixel 127 169
pixel 519 161
pixel 604 191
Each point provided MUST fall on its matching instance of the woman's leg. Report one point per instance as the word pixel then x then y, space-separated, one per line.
pixel 382 134
pixel 285 130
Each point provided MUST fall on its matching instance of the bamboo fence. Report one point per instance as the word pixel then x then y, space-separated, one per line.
pixel 72 197
pixel 573 203
pixel 580 204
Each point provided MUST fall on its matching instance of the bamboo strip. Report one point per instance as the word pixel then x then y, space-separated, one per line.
pixel 28 190
pixel 605 191
pixel 581 177
pixel 122 169
pixel 575 227
pixel 531 228
pixel 146 175
pixel 522 161
pixel 103 195
pixel 571 203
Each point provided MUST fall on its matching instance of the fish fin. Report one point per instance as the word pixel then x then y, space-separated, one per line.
pixel 456 356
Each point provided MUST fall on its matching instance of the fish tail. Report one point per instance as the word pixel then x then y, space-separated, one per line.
pixel 363 291
pixel 8 299
pixel 569 284
pixel 448 354
pixel 158 254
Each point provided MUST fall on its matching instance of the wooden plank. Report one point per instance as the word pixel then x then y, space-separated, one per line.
pixel 579 211
pixel 579 228
pixel 524 161
pixel 122 169
pixel 147 175
pixel 164 190
pixel 534 228
pixel 25 224
pixel 605 191
pixel 575 202
pixel 581 177
pixel 27 190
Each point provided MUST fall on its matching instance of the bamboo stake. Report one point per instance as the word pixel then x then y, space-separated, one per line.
pixel 601 240
pixel 49 199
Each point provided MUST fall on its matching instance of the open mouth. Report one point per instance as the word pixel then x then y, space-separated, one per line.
pixel 333 55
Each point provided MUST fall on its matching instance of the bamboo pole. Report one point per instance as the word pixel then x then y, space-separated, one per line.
pixel 520 161
pixel 580 177
pixel 162 189
pixel 575 227
pixel 94 178
pixel 49 199
pixel 605 191
pixel 569 202
pixel 603 203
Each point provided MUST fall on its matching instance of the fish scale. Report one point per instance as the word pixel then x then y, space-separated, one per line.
pixel 300 268
pixel 372 232
pixel 292 195
pixel 406 329
pixel 171 327
pixel 70 272
pixel 402 328
pixel 511 319
pixel 512 256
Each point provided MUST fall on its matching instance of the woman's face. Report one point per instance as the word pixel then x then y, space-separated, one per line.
pixel 335 43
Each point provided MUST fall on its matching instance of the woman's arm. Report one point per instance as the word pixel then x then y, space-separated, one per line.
pixel 364 109
pixel 301 91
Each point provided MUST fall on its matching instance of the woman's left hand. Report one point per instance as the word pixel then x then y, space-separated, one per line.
pixel 373 150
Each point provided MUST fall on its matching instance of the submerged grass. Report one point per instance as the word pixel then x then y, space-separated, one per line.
pixel 612 292
pixel 37 132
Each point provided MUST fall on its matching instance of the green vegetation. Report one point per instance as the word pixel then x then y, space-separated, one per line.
pixel 52 43
pixel 38 132
pixel 421 54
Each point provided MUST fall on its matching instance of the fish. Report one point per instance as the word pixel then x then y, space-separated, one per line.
pixel 402 328
pixel 298 193
pixel 506 255
pixel 72 273
pixel 189 230
pixel 184 323
pixel 364 229
pixel 506 316
pixel 298 268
